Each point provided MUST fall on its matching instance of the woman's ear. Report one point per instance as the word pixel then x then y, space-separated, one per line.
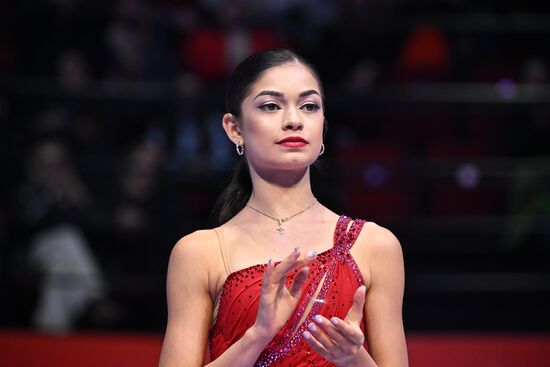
pixel 232 128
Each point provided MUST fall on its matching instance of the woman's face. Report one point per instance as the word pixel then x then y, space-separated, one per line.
pixel 282 118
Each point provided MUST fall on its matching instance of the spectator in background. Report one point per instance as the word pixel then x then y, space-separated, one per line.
pixel 529 193
pixel 6 51
pixel 534 74
pixel 213 50
pixel 142 38
pixel 52 204
pixel 134 247
pixel 73 70
pixel 199 144
pixel 127 38
pixel 137 186
pixel 424 57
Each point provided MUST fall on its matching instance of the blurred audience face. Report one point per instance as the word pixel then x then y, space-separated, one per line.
pixel 49 168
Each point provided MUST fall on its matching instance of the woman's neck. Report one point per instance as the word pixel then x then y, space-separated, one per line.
pixel 281 194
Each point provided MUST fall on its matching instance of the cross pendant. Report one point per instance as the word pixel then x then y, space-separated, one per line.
pixel 280 228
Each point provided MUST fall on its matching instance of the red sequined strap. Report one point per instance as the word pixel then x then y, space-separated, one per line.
pixel 343 236
pixel 341 229
pixel 354 232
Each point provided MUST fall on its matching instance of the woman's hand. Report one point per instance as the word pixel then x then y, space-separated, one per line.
pixel 339 341
pixel 277 302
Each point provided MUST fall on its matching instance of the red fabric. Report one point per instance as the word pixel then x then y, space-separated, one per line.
pixel 241 294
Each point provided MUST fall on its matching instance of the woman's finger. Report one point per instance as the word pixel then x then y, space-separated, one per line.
pixel 355 313
pixel 316 346
pixel 280 271
pixel 298 282
pixel 332 332
pixel 322 337
pixel 293 261
pixel 268 272
pixel 349 331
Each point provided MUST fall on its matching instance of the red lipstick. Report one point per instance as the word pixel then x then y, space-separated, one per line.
pixel 293 142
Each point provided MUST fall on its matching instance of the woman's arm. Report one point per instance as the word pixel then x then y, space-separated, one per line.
pixel 189 303
pixel 384 301
pixel 190 306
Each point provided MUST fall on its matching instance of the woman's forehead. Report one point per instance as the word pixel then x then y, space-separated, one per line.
pixel 292 77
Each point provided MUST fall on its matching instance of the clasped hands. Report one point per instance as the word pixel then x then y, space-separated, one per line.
pixel 336 340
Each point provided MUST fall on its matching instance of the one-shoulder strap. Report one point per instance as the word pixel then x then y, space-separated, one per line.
pixel 354 232
pixel 221 243
pixel 341 229
pixel 346 237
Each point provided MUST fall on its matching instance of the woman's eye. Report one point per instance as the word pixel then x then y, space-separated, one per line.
pixel 270 107
pixel 311 107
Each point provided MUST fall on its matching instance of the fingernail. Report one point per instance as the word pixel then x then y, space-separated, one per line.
pixel 318 318
pixel 312 327
pixel 334 321
pixel 306 335
pixel 311 254
pixel 296 249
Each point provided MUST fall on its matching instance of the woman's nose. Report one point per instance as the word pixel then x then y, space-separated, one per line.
pixel 293 121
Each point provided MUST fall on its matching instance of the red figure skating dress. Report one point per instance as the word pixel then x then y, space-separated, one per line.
pixel 333 279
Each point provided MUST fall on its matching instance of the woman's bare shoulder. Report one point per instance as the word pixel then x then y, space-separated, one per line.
pixel 381 253
pixel 196 249
pixel 379 240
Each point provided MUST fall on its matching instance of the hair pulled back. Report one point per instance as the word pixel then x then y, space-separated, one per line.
pixel 234 198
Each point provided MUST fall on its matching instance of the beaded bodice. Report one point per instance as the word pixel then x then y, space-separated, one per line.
pixel 333 279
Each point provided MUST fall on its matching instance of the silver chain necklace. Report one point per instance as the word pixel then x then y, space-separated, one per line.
pixel 280 221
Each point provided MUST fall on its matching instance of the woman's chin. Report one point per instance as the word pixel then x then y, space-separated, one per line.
pixel 290 165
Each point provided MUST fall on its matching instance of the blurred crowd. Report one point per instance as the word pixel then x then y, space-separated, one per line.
pixel 91 197
pixel 352 42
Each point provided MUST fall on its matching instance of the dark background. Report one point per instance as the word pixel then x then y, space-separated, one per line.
pixel 439 122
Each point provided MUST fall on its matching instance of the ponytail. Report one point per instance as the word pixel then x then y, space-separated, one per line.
pixel 235 196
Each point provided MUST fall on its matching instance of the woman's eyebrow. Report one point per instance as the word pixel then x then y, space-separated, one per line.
pixel 279 94
pixel 309 92
pixel 269 93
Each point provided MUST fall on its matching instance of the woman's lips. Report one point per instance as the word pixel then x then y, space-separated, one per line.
pixel 293 142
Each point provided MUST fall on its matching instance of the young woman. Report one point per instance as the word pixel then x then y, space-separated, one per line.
pixel 284 281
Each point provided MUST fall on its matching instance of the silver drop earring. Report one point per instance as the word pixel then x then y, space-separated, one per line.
pixel 322 149
pixel 239 148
